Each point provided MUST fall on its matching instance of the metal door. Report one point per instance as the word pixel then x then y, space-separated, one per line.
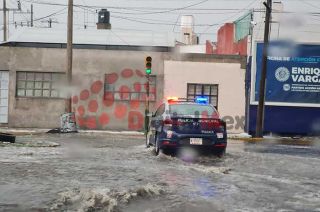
pixel 4 93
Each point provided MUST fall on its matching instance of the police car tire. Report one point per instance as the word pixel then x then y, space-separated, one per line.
pixel 148 140
pixel 220 152
pixel 157 147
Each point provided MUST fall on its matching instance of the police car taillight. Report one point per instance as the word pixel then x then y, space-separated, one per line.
pixel 219 124
pixel 167 123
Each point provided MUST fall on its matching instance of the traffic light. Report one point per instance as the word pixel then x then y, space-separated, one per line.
pixel 148 65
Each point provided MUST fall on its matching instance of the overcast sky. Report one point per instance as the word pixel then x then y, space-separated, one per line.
pixel 153 15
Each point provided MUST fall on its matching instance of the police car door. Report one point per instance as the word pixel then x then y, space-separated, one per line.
pixel 158 119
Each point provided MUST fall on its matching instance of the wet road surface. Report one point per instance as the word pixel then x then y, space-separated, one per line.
pixel 117 173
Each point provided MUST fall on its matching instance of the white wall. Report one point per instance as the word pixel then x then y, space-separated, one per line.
pixel 229 76
pixel 199 49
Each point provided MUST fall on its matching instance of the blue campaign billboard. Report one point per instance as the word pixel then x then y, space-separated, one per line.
pixel 293 73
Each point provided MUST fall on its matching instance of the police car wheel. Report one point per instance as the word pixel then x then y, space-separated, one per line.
pixel 157 147
pixel 148 140
pixel 220 152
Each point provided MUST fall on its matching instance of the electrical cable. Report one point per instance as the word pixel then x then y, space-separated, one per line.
pixel 249 5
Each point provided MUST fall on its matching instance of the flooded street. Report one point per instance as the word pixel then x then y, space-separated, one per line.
pixel 117 173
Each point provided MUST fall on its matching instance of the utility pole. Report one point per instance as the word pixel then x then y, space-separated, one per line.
pixel 262 92
pixel 69 51
pixel 31 15
pixel 4 21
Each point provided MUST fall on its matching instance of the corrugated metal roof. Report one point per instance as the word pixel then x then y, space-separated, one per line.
pixel 94 37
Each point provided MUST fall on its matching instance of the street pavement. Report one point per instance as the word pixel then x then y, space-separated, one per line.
pixel 114 172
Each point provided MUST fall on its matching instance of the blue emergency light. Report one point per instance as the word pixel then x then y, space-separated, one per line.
pixel 202 100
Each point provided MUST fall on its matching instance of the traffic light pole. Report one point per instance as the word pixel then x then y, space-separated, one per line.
pixel 146 124
pixel 148 63
pixel 262 92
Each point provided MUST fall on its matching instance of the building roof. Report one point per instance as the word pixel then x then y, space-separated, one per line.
pixel 93 37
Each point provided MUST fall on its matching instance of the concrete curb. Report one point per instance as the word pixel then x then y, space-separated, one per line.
pixel 135 133
pixel 33 131
pixel 18 132
pixel 241 137
pixel 28 131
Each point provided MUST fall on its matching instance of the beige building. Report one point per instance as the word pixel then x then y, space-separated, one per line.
pixel 222 80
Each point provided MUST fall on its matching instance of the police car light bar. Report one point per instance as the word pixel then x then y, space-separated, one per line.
pixel 202 100
pixel 198 99
pixel 172 98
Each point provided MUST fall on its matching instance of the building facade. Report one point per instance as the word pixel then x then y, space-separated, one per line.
pixel 109 84
pixel 108 90
pixel 292 106
pixel 220 78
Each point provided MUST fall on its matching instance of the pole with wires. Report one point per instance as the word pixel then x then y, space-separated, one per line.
pixel 31 15
pixel 262 90
pixel 4 21
pixel 69 51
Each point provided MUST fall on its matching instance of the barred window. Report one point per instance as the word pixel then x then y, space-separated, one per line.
pixel 205 90
pixel 131 89
pixel 39 84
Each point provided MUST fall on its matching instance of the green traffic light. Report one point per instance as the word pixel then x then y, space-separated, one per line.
pixel 148 71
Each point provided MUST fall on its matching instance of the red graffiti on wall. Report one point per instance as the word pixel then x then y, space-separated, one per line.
pixel 75 100
pixel 104 119
pixel 108 99
pixel 96 87
pixel 84 95
pixel 81 110
pixel 137 86
pixel 135 120
pixel 97 108
pixel 93 106
pixel 112 78
pixel 127 73
pixel 120 111
pixel 124 92
pixel 134 104
pixel 91 122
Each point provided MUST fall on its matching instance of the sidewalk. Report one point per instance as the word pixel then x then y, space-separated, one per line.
pixel 35 131
pixel 236 136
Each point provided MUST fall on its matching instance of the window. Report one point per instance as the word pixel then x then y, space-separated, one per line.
pixel 210 91
pixel 133 89
pixel 39 84
pixel 190 109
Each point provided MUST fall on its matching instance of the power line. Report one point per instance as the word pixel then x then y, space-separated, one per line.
pixel 175 9
pixel 52 14
pixel 164 10
pixel 310 4
pixel 141 20
pixel 59 12
pixel 241 11
pixel 160 23
pixel 153 21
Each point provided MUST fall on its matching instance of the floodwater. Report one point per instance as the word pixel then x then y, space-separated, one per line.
pixel 106 172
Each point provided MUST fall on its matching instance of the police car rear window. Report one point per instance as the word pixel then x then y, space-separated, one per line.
pixel 191 110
